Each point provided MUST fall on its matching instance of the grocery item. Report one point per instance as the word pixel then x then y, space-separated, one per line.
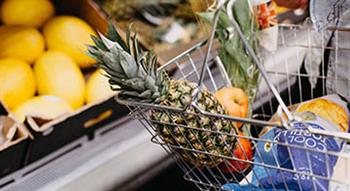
pixel 135 72
pixel 24 43
pixel 97 87
pixel 328 110
pixel 29 13
pixel 303 160
pixel 238 64
pixel 17 82
pixel 69 34
pixel 235 102
pixel 58 74
pixel 265 13
pixel 243 151
pixel 298 150
pixel 46 107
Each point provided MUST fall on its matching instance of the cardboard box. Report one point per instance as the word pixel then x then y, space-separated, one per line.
pixel 13 145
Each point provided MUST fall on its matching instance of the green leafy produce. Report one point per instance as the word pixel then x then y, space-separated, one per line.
pixel 239 66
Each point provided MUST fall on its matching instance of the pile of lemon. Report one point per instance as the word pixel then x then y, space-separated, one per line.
pixel 41 57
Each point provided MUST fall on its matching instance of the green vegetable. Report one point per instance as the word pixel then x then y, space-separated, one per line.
pixel 239 66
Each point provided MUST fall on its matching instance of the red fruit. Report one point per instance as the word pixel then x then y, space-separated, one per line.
pixel 242 151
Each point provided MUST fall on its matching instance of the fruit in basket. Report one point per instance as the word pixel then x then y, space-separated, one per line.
pixel 235 102
pixel 243 151
pixel 30 13
pixel 197 138
pixel 24 43
pixel 45 107
pixel 97 87
pixel 58 74
pixel 327 110
pixel 70 35
pixel 17 82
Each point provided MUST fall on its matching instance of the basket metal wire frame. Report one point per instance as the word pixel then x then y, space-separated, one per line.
pixel 202 65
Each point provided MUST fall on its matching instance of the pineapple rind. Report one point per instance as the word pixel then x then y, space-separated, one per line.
pixel 198 139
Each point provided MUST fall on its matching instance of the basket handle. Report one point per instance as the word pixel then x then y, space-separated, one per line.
pixel 220 4
pixel 251 52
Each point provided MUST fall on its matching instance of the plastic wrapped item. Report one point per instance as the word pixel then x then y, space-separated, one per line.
pixel 266 17
pixel 265 13
pixel 297 159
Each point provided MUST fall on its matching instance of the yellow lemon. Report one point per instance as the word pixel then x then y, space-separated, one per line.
pixel 58 74
pixel 98 88
pixel 46 107
pixel 24 43
pixel 17 82
pixel 30 13
pixel 70 35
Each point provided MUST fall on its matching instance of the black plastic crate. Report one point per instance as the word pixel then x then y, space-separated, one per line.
pixel 50 136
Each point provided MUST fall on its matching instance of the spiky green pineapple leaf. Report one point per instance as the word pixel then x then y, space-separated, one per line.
pixel 128 35
pixel 98 42
pixel 130 70
pixel 112 34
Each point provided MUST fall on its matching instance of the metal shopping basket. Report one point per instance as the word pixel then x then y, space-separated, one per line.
pixel 202 65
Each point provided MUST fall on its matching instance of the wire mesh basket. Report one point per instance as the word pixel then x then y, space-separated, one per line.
pixel 284 83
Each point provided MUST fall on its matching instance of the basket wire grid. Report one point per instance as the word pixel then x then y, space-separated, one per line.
pixel 279 78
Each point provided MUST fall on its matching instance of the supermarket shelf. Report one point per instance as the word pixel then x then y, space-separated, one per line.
pixel 112 157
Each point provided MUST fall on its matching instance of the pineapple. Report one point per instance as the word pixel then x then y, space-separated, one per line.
pixel 133 73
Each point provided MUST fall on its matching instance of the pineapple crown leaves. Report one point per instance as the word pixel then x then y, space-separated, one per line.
pixel 131 71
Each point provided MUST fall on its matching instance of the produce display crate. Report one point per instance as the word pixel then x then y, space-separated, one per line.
pixel 62 131
pixel 49 136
